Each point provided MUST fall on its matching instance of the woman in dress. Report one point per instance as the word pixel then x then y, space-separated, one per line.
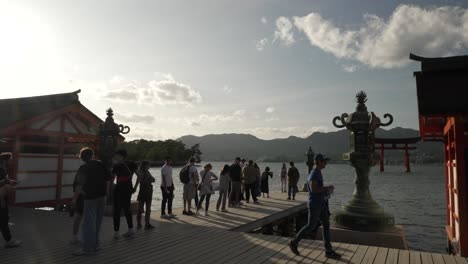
pixel 145 195
pixel 265 188
pixel 224 182
pixel 284 174
pixel 205 187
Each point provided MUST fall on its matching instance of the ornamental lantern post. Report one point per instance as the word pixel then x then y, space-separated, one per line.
pixel 362 213
pixel 108 135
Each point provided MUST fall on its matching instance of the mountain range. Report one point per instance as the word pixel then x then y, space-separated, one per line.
pixel 224 147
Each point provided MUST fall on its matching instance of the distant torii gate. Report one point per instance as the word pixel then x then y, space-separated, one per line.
pixel 396 144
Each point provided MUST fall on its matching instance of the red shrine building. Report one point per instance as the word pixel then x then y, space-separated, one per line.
pixel 442 91
pixel 44 134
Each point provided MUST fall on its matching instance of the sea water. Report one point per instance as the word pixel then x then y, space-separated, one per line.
pixel 416 199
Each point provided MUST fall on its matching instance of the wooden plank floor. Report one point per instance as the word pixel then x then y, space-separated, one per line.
pixel 192 240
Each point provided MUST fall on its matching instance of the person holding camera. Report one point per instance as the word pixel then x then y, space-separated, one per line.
pixel 6 190
pixel 265 182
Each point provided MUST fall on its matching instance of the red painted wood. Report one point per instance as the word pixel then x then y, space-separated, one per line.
pixel 73 124
pixel 53 119
pixel 41 187
pixel 58 192
pixel 407 161
pixel 461 184
pixel 44 171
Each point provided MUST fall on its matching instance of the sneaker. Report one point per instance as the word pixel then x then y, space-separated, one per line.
pixel 289 198
pixel 294 198
pixel 172 215
pixel 165 216
pixel 13 243
pixel 82 252
pixel 184 212
pixel 256 202
pixel 190 213
pixel 206 213
pixel 247 201
pixel 139 226
pixel 332 255
pixel 116 235
pixel 149 227
pixel 130 233
pixel 292 245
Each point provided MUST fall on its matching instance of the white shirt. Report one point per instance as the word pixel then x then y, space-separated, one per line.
pixel 166 174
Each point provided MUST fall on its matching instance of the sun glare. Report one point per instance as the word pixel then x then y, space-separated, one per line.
pixel 29 56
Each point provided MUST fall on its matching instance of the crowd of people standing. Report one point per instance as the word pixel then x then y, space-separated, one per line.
pixel 239 181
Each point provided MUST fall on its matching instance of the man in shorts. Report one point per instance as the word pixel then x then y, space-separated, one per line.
pixel 190 188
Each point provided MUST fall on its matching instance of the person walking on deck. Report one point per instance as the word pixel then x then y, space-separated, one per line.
pixel 265 182
pixel 92 183
pixel 6 191
pixel 145 194
pixel 123 172
pixel 167 189
pixel 235 172
pixel 318 211
pixel 190 188
pixel 293 179
pixel 224 182
pixel 250 178
pixel 284 174
pixel 206 187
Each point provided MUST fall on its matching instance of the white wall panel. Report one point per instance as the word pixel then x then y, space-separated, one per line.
pixel 67 192
pixel 35 195
pixel 37 179
pixel 71 163
pixel 68 177
pixel 45 162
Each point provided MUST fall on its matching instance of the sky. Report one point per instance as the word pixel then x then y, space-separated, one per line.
pixel 272 68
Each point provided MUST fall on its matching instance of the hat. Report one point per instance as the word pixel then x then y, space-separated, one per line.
pixel 321 157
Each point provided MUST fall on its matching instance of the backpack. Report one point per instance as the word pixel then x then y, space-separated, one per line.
pixel 184 174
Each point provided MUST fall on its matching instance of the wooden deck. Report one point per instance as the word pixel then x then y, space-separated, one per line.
pixel 192 240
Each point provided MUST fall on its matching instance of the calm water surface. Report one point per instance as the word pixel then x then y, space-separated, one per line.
pixel 416 199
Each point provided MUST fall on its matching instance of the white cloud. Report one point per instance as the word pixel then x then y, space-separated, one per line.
pixel 350 68
pixel 260 44
pixel 227 89
pixel 162 92
pixel 116 79
pixel 434 31
pixel 172 92
pixel 270 109
pixel 132 118
pixel 271 119
pixel 284 31
pixel 240 112
pixel 264 20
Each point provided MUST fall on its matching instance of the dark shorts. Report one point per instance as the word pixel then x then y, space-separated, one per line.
pixel 145 194
pixel 79 207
